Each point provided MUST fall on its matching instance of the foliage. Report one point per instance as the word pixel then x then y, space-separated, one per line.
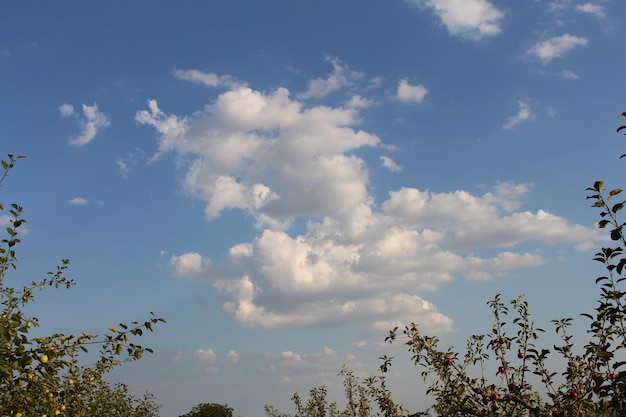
pixel 504 372
pixel 210 410
pixel 42 376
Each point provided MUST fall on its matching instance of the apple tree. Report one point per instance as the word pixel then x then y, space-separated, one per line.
pixel 505 371
pixel 44 376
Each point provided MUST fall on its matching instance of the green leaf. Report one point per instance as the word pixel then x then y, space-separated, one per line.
pixel 602 224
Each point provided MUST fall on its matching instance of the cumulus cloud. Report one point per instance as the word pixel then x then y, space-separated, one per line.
pixel 232 356
pixel 524 113
pixel 555 47
pixel 591 8
pixel 92 122
pixel 470 19
pixel 357 262
pixel 339 78
pixel 390 164
pixel 205 356
pixel 326 361
pixel 267 154
pixel 187 264
pixel 410 93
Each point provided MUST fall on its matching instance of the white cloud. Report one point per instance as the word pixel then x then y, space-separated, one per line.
pixel 390 164
pixel 66 110
pixel 339 78
pixel 410 93
pixel 232 356
pixel 356 101
pixel 78 201
pixel 92 122
pixel 471 19
pixel 187 264
pixel 558 6
pixel 266 154
pixel 524 113
pixel 209 79
pixel 356 268
pixel 128 163
pixel 570 75
pixel 325 362
pixel 207 357
pixel 359 262
pixel 594 9
pixel 170 127
pixel 555 47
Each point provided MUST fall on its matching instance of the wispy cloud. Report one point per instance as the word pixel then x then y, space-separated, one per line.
pixel 339 78
pixel 92 122
pixel 570 75
pixel 591 8
pixel 524 113
pixel 407 93
pixel 81 201
pixel 470 19
pixel 78 201
pixel 390 164
pixel 209 79
pixel 555 47
pixel 128 163
pixel 558 5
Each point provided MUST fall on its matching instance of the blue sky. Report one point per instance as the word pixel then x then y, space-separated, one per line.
pixel 286 181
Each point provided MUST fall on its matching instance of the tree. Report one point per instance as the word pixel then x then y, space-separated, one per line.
pixel 503 371
pixel 43 376
pixel 210 410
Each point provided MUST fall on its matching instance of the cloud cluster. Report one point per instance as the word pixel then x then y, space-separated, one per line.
pixel 360 262
pixel 92 122
pixel 471 19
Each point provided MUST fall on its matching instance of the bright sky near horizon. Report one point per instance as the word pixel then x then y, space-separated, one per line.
pixel 285 181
